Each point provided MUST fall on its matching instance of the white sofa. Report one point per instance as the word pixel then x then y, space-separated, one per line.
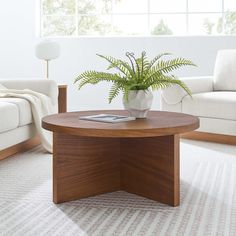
pixel 213 99
pixel 16 122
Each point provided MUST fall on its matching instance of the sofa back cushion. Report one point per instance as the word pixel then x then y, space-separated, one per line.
pixel 225 70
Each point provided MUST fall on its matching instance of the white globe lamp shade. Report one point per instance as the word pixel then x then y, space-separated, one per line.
pixel 47 50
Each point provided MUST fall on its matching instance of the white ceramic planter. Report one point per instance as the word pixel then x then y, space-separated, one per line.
pixel 139 103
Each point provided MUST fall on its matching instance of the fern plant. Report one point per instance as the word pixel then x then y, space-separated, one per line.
pixel 136 74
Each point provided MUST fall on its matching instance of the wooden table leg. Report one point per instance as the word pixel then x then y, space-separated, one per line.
pixel 84 166
pixel 150 168
pixel 62 98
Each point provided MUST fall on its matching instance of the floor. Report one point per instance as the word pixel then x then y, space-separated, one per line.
pixel 208 199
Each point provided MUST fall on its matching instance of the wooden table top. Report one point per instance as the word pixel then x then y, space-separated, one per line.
pixel 157 123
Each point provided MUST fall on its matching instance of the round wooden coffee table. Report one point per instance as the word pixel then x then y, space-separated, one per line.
pixel 140 156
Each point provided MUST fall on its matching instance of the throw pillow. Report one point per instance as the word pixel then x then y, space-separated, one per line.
pixel 225 70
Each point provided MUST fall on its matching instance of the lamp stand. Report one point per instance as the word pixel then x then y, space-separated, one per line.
pixel 47 69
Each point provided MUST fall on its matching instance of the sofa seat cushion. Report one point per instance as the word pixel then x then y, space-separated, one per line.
pixel 24 109
pixel 218 104
pixel 9 118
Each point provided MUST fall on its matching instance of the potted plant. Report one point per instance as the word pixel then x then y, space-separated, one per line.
pixel 136 78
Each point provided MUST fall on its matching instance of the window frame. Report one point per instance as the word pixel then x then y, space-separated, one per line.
pixel 187 14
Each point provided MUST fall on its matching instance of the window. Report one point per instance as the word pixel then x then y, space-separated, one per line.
pixel 137 17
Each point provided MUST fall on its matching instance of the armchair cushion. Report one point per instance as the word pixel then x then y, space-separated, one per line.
pixel 225 70
pixel 218 104
pixel 175 94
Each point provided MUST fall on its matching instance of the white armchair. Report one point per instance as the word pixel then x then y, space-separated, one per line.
pixel 17 130
pixel 213 100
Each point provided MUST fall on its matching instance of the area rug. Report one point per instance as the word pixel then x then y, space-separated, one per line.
pixel 208 200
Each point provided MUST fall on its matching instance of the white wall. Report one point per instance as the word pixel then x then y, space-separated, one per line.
pixel 18 38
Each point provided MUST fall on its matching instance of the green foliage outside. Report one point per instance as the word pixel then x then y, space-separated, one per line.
pixel 90 23
pixel 226 25
pixel 138 73
pixel 58 7
pixel 209 26
pixel 92 17
pixel 161 29
pixel 59 17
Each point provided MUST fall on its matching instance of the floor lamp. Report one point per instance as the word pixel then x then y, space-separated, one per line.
pixel 47 50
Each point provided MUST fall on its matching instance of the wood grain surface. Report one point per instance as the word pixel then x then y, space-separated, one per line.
pixel 158 123
pixel 20 147
pixel 210 137
pixel 84 166
pixel 150 168
pixel 140 156
pixel 62 98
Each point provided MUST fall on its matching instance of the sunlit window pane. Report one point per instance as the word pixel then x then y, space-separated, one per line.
pixel 94 25
pixel 58 7
pixel 130 6
pixel 230 5
pixel 205 24
pixel 137 17
pixel 229 23
pixel 157 6
pixel 94 6
pixel 205 5
pixel 59 26
pixel 173 24
pixel 130 24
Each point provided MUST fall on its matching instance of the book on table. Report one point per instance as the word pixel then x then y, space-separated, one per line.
pixel 107 118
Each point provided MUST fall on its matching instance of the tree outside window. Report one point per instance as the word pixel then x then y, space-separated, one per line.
pixel 132 17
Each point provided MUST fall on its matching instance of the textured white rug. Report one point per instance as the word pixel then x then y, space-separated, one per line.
pixel 208 200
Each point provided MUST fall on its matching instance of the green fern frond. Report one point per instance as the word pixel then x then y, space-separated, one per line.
pixel 136 74
pixel 88 81
pixel 114 91
pixel 145 63
pixel 168 66
pixel 167 81
pixel 93 77
pixel 137 66
pixel 154 60
pixel 130 57
pixel 122 66
pixel 138 86
pixel 126 93
pixel 173 64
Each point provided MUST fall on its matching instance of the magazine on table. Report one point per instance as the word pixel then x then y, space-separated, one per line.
pixel 108 118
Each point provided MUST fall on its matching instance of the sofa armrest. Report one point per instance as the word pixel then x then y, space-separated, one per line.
pixel 175 94
pixel 44 86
